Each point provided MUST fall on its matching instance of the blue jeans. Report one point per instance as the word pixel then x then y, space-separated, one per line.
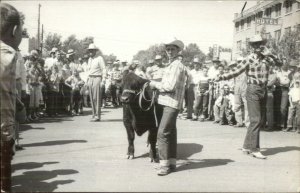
pixel 256 101
pixel 167 134
pixel 201 105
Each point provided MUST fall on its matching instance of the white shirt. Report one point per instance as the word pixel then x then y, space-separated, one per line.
pixel 295 94
pixel 195 76
pixel 49 62
pixel 213 72
pixel 97 67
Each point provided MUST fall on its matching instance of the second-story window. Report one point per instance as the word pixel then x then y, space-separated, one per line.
pixel 288 6
pixel 237 26
pixel 277 35
pixel 278 9
pixel 248 22
pixel 242 24
pixel 268 12
pixel 239 45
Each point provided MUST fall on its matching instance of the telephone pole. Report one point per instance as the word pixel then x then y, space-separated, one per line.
pixel 38 36
pixel 42 39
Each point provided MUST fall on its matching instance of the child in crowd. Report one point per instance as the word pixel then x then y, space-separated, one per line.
pixel 294 109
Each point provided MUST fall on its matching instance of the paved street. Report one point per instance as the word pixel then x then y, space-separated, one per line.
pixel 73 154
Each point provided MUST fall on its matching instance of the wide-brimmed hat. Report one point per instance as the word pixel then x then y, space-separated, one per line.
pixel 158 57
pixel 256 39
pixel 177 43
pixel 34 53
pixel 93 47
pixel 293 63
pixel 70 52
pixel 53 50
pixel 216 59
pixel 135 62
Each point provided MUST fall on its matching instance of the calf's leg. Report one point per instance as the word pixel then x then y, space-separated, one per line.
pixel 152 139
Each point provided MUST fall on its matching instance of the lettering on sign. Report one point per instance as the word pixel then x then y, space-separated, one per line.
pixel 267 21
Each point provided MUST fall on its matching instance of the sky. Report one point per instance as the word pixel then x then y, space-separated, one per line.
pixel 125 27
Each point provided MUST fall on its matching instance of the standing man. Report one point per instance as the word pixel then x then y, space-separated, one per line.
pixel 11 36
pixel 171 97
pixel 212 73
pixel 49 62
pixel 257 66
pixel 97 73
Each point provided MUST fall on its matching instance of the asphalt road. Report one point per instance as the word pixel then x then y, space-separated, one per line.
pixel 72 154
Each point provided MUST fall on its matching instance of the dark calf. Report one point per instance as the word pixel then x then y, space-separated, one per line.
pixel 135 119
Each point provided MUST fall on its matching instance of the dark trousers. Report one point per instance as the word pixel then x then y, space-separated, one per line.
pixel 270 111
pixel 201 105
pixel 6 157
pixel 115 94
pixel 256 101
pixel 167 134
pixel 53 102
pixel 190 100
pixel 284 106
pixel 277 99
pixel 76 100
pixel 211 103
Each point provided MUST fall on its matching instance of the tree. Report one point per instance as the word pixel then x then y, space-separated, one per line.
pixel 53 40
pixel 110 57
pixel 192 51
pixel 145 55
pixel 286 46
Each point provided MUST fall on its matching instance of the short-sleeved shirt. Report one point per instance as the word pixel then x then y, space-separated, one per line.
pixel 97 67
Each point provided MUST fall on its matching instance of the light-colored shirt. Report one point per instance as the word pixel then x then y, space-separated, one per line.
pixel 213 72
pixel 283 78
pixel 85 67
pixel 49 62
pixel 172 86
pixel 74 81
pixel 195 76
pixel 295 94
pixel 97 67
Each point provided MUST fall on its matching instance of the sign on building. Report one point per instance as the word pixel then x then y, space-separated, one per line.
pixel 268 21
pixel 215 50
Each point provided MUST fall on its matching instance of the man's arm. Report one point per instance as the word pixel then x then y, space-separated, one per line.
pixel 239 69
pixel 169 82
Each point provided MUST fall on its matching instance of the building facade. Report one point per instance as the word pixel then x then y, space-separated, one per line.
pixel 271 18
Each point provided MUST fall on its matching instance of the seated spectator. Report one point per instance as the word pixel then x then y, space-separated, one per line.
pixel 223 108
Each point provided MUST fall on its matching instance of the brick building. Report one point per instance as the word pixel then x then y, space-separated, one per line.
pixel 273 18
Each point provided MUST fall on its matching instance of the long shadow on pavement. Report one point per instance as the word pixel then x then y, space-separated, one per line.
pixel 184 150
pixel 29 127
pixel 29 165
pixel 275 150
pixel 203 163
pixel 50 143
pixel 34 181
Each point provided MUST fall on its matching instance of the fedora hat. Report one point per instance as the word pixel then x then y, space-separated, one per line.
pixel 257 38
pixel 34 53
pixel 92 47
pixel 176 43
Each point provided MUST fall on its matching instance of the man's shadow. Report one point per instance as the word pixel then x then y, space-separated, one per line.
pixel 275 150
pixel 35 181
pixel 186 150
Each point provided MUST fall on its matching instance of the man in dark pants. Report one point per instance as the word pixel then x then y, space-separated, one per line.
pixel 11 36
pixel 257 66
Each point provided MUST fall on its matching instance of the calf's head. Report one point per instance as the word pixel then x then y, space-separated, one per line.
pixel 132 84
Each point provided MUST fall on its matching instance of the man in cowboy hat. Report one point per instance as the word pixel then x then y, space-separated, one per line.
pixel 74 66
pixel 256 66
pixel 49 62
pixel 97 75
pixel 156 70
pixel 171 95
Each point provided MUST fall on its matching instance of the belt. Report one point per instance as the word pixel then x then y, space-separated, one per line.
pixel 95 76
